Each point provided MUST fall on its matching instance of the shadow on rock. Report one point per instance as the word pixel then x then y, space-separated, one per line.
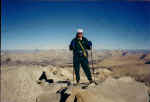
pixel 44 77
pixel 64 95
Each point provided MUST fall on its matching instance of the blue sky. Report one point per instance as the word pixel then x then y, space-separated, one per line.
pixel 52 25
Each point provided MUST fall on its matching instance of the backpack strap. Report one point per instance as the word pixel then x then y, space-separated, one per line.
pixel 84 52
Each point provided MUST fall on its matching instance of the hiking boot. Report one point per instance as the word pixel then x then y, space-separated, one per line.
pixel 91 84
pixel 91 81
pixel 77 84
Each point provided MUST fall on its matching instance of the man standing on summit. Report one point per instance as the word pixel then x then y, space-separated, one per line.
pixel 80 45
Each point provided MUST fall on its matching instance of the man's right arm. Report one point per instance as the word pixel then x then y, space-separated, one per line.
pixel 72 45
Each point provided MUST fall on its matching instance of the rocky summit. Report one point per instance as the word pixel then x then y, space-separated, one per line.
pixel 111 90
pixel 120 77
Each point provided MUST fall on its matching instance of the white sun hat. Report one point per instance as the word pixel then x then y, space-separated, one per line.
pixel 79 30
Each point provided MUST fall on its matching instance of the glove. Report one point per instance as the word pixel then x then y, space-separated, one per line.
pixel 89 43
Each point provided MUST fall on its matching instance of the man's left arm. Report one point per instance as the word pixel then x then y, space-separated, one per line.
pixel 88 44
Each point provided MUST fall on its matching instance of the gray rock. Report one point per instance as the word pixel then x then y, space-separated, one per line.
pixel 112 90
pixel 48 97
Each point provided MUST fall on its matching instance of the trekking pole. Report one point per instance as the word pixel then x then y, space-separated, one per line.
pixel 92 63
pixel 73 75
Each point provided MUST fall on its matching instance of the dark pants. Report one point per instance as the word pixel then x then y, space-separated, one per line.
pixel 77 60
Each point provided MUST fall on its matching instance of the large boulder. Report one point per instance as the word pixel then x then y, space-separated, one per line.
pixel 112 90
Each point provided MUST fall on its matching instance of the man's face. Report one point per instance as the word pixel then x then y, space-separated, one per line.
pixel 80 35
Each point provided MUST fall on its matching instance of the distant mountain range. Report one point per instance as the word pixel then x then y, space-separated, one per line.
pixel 38 50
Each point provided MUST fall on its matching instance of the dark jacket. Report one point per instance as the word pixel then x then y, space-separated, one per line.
pixel 75 46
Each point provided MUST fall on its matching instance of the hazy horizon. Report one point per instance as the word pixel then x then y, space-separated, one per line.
pixel 68 49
